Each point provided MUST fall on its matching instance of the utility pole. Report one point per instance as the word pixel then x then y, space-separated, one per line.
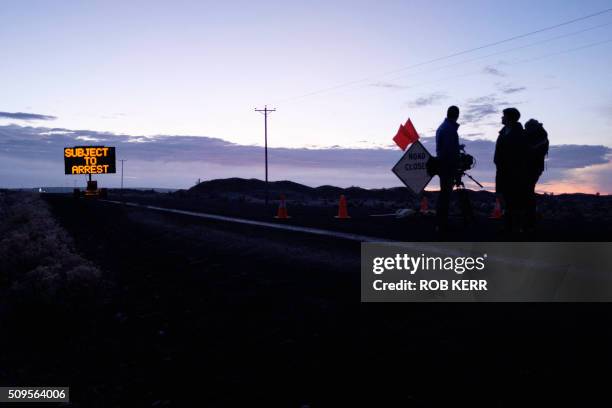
pixel 123 160
pixel 265 112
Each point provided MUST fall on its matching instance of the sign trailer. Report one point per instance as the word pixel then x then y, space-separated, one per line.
pixel 90 160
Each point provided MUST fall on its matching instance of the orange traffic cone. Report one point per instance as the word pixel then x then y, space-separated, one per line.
pixel 424 205
pixel 342 208
pixel 497 211
pixel 282 209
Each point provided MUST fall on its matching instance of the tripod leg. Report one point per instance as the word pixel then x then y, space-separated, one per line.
pixel 466 207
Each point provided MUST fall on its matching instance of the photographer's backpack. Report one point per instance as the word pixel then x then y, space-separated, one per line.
pixel 537 140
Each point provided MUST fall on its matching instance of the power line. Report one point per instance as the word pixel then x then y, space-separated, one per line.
pixel 512 49
pixel 491 55
pixel 518 62
pixel 524 61
pixel 582 47
pixel 492 44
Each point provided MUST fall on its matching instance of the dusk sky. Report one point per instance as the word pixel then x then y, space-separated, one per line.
pixel 340 74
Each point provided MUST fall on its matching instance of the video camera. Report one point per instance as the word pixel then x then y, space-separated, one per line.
pixel 465 162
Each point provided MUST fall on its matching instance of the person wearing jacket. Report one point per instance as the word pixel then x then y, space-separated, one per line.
pixel 447 151
pixel 511 179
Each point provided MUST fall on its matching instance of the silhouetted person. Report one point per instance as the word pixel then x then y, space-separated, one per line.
pixel 537 142
pixel 447 150
pixel 511 180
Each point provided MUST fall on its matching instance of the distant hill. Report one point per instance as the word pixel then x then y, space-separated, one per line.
pixel 255 187
pixel 240 185
pixel 293 190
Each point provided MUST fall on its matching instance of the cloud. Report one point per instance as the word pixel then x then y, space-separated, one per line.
pixel 427 100
pixel 589 179
pixel 478 109
pixel 577 156
pixel 473 134
pixel 489 70
pixel 25 116
pixel 511 90
pixel 33 156
pixel 113 116
pixel 388 85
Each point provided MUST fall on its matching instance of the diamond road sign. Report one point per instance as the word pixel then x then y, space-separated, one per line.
pixel 412 168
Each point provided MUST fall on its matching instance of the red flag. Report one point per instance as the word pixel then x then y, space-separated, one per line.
pixel 406 135
pixel 400 138
pixel 410 132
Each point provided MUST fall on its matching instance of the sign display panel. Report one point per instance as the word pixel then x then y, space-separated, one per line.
pixel 89 160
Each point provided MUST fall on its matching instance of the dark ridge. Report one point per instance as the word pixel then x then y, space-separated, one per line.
pixel 228 185
pixel 240 187
pixel 250 186
pixel 256 187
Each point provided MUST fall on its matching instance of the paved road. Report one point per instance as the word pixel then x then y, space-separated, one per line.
pixel 280 224
pixel 572 228
pixel 244 314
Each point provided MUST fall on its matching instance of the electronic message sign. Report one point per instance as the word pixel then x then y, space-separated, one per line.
pixel 89 160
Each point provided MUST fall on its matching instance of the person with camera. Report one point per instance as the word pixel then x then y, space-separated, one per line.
pixel 511 178
pixel 447 150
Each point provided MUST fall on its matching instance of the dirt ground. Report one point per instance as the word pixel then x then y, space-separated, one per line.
pixel 235 315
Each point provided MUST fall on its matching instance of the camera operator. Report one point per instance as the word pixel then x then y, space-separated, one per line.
pixel 447 150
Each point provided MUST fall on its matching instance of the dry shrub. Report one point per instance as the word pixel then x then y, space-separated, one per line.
pixel 37 256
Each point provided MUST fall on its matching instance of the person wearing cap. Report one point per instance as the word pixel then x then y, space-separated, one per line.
pixel 511 181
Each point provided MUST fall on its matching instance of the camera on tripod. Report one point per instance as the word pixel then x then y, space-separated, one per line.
pixel 465 162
